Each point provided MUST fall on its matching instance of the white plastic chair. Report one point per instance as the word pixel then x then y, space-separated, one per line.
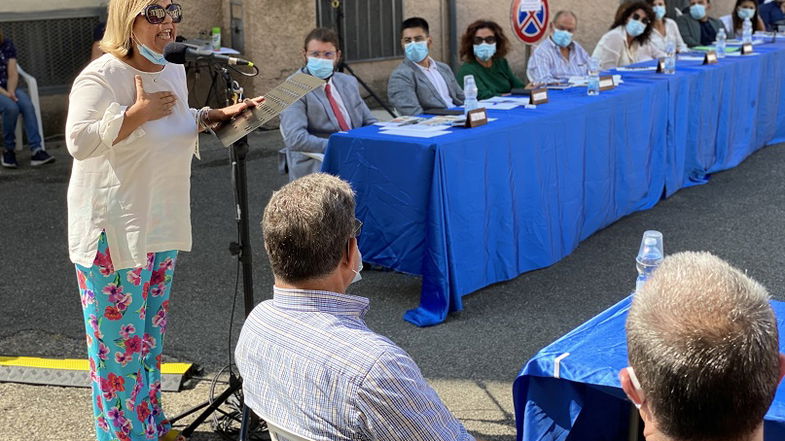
pixel 279 434
pixel 32 89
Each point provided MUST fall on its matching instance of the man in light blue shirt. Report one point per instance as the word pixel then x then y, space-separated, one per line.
pixel 309 363
pixel 559 57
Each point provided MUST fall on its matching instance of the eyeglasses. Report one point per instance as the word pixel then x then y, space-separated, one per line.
pixel 643 19
pixel 330 55
pixel 156 14
pixel 489 40
pixel 358 227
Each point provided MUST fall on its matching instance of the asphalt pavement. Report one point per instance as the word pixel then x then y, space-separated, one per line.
pixel 471 359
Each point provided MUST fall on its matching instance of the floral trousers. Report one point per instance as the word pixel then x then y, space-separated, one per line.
pixel 125 313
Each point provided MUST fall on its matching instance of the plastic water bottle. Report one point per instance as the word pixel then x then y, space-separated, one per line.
pixel 593 86
pixel 670 57
pixel 650 256
pixel 721 43
pixel 470 92
pixel 747 31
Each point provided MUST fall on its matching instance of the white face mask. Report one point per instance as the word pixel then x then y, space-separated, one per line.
pixel 357 276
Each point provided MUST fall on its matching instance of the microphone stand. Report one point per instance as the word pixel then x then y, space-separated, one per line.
pixel 242 250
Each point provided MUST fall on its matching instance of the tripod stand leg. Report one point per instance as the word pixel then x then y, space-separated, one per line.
pixel 234 387
pixel 368 89
pixel 249 420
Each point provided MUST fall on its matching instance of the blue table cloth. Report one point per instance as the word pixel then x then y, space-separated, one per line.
pixel 481 206
pixel 583 400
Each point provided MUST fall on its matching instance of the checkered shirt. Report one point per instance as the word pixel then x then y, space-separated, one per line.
pixel 311 365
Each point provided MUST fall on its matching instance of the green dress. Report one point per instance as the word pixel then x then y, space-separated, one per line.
pixel 493 81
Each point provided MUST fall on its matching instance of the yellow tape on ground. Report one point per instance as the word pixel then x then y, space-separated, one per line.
pixel 72 364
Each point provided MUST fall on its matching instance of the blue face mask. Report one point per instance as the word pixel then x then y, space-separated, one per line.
pixel 659 11
pixel 320 67
pixel 151 55
pixel 416 51
pixel 635 28
pixel 484 51
pixel 697 11
pixel 746 13
pixel 562 38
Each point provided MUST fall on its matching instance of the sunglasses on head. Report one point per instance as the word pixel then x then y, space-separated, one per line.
pixel 643 19
pixel 156 14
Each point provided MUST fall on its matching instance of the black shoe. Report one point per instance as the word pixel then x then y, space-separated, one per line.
pixel 9 159
pixel 40 158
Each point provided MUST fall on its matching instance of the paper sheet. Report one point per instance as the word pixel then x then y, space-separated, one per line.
pixel 414 133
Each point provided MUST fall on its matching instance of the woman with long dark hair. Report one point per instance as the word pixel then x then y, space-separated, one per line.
pixel 629 39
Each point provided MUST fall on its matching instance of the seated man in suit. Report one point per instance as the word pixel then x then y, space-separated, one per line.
pixel 703 350
pixel 697 28
pixel 420 82
pixel 309 362
pixel 772 13
pixel 337 106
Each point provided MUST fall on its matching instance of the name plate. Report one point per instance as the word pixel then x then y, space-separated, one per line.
pixel 606 83
pixel 476 118
pixel 661 65
pixel 746 49
pixel 538 96
pixel 710 58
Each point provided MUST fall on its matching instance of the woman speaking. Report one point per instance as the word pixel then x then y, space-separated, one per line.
pixel 132 136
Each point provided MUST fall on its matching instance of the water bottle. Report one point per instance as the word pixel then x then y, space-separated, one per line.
pixel 593 86
pixel 721 43
pixel 650 256
pixel 747 31
pixel 670 57
pixel 470 93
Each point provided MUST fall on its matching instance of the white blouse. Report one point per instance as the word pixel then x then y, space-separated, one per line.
pixel 672 32
pixel 612 50
pixel 138 190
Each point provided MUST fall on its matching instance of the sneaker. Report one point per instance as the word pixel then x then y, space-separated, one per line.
pixel 40 158
pixel 9 159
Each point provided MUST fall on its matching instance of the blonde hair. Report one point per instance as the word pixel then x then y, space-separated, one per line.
pixel 119 24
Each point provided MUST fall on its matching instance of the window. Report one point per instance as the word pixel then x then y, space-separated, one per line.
pixel 52 47
pixel 370 29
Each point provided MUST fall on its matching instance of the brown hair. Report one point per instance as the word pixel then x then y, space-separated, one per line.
pixel 737 22
pixel 467 40
pixel 324 35
pixel 626 10
pixel 307 225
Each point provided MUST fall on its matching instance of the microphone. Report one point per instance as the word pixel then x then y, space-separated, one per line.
pixel 179 53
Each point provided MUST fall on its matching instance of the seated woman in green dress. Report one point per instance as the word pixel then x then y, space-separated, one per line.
pixel 483 48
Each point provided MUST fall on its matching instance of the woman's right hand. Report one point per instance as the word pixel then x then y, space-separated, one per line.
pixel 152 106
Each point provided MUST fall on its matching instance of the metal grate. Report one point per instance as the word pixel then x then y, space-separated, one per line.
pixel 53 50
pixel 371 28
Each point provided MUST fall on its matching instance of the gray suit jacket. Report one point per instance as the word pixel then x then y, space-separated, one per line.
pixel 306 124
pixel 690 29
pixel 410 90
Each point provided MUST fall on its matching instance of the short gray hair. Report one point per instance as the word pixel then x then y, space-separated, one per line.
pixel 703 341
pixel 307 225
pixel 564 12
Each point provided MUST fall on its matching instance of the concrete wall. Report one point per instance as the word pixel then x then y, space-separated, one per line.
pixel 48 5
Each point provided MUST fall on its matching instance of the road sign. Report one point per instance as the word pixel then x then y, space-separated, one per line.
pixel 530 19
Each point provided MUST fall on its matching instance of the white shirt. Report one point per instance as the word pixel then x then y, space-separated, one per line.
pixel 138 189
pixel 436 78
pixel 613 51
pixel 671 32
pixel 337 97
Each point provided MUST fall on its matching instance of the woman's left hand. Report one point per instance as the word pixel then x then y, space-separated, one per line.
pixel 226 113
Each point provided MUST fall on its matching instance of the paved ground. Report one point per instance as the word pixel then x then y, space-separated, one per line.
pixel 471 359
